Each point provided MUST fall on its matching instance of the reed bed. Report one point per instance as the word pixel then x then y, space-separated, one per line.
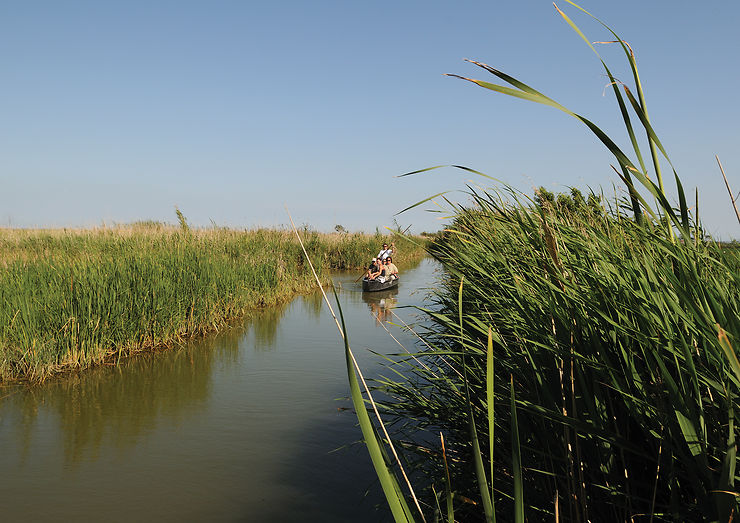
pixel 581 362
pixel 74 298
pixel 615 340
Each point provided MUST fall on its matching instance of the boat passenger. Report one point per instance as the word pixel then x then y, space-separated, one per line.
pixel 385 251
pixel 392 269
pixel 384 273
pixel 374 270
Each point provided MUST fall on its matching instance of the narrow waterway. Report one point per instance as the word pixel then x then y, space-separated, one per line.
pixel 246 425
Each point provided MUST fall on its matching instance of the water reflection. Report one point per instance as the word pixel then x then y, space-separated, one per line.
pixel 116 405
pixel 264 323
pixel 313 304
pixel 226 428
pixel 381 304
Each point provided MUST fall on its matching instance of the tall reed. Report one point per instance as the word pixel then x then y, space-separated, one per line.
pixel 616 339
pixel 71 298
pixel 582 366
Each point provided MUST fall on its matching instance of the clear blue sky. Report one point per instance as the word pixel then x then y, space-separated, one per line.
pixel 118 111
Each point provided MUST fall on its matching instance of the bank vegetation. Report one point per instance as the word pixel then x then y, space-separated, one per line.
pixel 581 362
pixel 71 298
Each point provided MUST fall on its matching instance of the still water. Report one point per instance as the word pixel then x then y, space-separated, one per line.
pixel 251 424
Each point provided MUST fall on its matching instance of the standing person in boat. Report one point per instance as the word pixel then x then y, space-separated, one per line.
pixel 374 270
pixel 392 269
pixel 386 251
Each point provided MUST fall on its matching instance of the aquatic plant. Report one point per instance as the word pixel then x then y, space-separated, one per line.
pixel 72 298
pixel 581 366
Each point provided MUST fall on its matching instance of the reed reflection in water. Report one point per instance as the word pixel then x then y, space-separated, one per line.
pixel 243 425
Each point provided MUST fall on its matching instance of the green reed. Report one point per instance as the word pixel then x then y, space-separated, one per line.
pixel 581 363
pixel 72 298
pixel 613 338
pixel 581 367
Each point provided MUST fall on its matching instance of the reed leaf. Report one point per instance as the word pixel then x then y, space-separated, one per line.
pixel 477 456
pixel 635 75
pixel 516 461
pixel 490 400
pixel 388 481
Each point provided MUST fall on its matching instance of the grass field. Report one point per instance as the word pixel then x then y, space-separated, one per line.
pixel 74 298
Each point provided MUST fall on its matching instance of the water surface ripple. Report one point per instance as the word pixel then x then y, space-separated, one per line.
pixel 246 425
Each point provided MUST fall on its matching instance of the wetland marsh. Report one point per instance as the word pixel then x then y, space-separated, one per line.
pixel 246 424
pixel 70 299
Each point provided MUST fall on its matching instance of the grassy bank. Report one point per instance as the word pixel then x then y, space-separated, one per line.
pixel 582 363
pixel 73 298
pixel 617 343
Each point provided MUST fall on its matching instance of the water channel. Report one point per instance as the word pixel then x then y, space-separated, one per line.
pixel 250 424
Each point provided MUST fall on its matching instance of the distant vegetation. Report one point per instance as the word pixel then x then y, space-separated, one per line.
pixel 73 298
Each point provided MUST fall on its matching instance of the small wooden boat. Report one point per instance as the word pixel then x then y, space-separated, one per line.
pixel 375 285
pixel 380 297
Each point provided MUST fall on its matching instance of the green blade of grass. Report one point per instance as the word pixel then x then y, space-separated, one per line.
pixel 612 80
pixel 727 348
pixel 725 503
pixel 387 478
pixel 448 483
pixel 491 415
pixel 420 202
pixel 480 471
pixel 534 96
pixel 633 66
pixel 516 455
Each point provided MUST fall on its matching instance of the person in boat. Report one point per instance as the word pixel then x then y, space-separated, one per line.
pixel 384 272
pixel 391 267
pixel 386 251
pixel 374 270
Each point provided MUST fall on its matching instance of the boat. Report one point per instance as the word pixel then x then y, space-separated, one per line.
pixel 375 298
pixel 375 285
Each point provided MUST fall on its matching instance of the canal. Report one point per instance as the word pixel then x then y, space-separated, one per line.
pixel 250 424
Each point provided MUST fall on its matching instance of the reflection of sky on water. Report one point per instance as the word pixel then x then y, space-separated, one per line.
pixel 226 427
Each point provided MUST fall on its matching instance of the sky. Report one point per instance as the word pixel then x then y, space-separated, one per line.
pixel 114 112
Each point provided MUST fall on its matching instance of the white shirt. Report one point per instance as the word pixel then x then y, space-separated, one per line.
pixel 384 253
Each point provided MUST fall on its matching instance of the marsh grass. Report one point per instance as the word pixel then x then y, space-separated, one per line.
pixel 74 298
pixel 581 366
pixel 613 337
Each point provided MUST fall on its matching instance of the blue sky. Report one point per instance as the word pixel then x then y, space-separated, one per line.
pixel 118 111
